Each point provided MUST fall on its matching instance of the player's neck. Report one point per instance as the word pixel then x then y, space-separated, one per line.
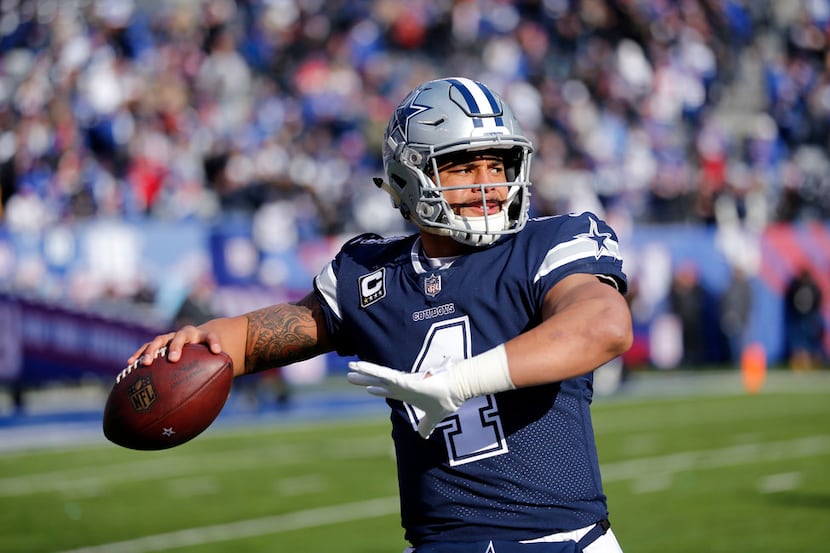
pixel 436 246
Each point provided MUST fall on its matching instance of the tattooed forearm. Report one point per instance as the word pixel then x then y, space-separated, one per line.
pixel 282 334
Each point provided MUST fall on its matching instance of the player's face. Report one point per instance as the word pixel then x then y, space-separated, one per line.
pixel 479 170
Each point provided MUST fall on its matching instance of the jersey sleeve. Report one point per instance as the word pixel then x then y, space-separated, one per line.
pixel 325 286
pixel 330 291
pixel 582 243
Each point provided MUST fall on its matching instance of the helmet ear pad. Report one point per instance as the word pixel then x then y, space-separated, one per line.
pixel 404 182
pixel 418 194
pixel 513 163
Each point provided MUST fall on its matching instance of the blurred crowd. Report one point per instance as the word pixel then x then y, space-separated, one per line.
pixel 708 112
pixel 646 111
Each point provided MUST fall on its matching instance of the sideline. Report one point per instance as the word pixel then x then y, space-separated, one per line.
pixel 249 528
pixel 80 427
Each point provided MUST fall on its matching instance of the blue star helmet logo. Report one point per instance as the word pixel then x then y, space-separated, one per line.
pixel 406 111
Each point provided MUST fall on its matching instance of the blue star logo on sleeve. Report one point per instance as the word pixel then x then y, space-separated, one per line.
pixel 600 239
pixel 585 246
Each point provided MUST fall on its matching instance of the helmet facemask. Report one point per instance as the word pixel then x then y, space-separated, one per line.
pixel 436 215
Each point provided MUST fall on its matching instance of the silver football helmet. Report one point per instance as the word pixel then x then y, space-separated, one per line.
pixel 448 116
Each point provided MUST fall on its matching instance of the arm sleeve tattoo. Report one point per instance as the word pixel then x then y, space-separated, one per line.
pixel 285 333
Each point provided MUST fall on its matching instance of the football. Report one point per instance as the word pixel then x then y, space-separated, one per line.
pixel 164 404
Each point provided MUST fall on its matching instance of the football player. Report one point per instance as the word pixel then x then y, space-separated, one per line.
pixel 481 330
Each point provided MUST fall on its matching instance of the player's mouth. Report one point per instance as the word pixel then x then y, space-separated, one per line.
pixel 477 208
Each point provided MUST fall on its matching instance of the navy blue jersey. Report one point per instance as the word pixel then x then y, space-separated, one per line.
pixel 514 465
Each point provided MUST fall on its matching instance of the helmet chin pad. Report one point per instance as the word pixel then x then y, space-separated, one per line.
pixel 466 238
pixel 480 231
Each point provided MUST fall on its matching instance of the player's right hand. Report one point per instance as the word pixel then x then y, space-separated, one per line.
pixel 434 392
pixel 174 341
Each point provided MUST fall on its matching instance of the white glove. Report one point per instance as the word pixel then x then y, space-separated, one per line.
pixel 433 391
pixel 439 392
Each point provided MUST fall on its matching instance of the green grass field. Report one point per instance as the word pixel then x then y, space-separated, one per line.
pixel 691 466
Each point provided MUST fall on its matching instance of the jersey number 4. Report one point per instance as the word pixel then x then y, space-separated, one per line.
pixel 474 431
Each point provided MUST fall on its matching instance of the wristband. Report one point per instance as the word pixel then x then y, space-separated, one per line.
pixel 485 373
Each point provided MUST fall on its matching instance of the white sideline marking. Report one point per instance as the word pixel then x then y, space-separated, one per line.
pixel 191 487
pixel 784 482
pixel 78 480
pixel 300 485
pixel 249 528
pixel 744 454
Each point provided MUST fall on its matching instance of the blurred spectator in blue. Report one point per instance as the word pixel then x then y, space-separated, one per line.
pixel 196 307
pixel 735 308
pixel 687 302
pixel 804 322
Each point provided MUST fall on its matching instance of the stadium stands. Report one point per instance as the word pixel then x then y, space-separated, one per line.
pixel 144 144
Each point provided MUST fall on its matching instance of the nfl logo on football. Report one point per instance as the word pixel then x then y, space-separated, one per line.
pixel 432 285
pixel 142 393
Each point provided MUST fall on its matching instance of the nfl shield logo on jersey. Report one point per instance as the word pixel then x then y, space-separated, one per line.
pixel 432 285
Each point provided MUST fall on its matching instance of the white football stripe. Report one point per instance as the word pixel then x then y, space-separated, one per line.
pixel 574 250
pixel 327 285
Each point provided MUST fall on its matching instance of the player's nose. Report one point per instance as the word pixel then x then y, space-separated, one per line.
pixel 484 175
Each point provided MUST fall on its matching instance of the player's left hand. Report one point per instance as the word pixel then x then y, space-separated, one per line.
pixel 434 392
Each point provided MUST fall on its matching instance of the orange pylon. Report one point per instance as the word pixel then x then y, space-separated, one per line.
pixel 754 367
